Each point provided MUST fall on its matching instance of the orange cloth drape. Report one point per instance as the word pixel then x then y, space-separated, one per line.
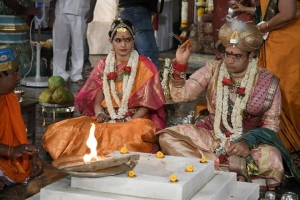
pixel 280 54
pixel 13 133
pixel 68 137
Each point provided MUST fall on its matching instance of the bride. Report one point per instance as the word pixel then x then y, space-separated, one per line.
pixel 122 96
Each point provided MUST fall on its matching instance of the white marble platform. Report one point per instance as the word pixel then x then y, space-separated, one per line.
pixel 61 190
pixel 152 182
pixel 153 178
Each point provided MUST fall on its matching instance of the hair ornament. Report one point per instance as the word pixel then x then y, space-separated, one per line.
pixel 120 27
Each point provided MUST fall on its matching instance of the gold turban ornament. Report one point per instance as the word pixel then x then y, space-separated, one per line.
pixel 8 58
pixel 247 37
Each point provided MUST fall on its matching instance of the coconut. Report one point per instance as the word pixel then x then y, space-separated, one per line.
pixel 46 96
pixel 56 81
pixel 62 96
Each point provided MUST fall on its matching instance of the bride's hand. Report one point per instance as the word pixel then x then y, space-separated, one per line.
pixel 183 52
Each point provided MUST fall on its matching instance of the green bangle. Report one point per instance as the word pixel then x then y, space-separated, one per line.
pixel 127 119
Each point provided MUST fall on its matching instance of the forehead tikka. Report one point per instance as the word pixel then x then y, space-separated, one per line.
pixel 122 27
pixel 121 30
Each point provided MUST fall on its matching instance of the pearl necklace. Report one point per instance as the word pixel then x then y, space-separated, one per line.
pixel 109 86
pixel 239 105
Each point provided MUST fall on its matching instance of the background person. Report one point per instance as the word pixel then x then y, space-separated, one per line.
pixel 19 160
pixel 70 19
pixel 139 13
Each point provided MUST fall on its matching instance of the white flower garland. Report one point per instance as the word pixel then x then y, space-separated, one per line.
pixel 239 105
pixel 128 81
pixel 166 72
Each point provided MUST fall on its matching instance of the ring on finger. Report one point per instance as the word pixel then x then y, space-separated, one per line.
pixel 234 150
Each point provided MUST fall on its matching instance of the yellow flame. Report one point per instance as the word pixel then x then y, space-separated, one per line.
pixel 92 144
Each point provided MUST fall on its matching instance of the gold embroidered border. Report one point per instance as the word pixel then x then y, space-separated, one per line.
pixel 8 65
pixel 270 94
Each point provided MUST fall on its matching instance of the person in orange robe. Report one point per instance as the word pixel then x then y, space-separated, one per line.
pixel 18 159
pixel 123 97
pixel 280 55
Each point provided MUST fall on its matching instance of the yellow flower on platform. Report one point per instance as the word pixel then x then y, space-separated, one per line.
pixel 189 168
pixel 160 154
pixel 203 160
pixel 131 174
pixel 173 178
pixel 123 150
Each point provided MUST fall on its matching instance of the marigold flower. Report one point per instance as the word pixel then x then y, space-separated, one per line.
pixel 227 81
pixel 112 75
pixel 124 150
pixel 203 160
pixel 160 154
pixel 189 168
pixel 131 173
pixel 173 178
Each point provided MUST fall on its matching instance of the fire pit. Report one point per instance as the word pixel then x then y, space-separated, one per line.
pixel 105 166
pixel 92 165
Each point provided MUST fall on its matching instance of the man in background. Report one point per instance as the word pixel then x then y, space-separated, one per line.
pixel 70 19
pixel 139 12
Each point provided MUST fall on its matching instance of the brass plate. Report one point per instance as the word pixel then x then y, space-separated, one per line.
pixel 59 163
pixel 52 105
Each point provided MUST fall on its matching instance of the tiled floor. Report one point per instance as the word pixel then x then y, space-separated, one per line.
pixel 196 61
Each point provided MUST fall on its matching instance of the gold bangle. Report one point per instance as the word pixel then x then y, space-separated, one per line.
pixel 179 83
